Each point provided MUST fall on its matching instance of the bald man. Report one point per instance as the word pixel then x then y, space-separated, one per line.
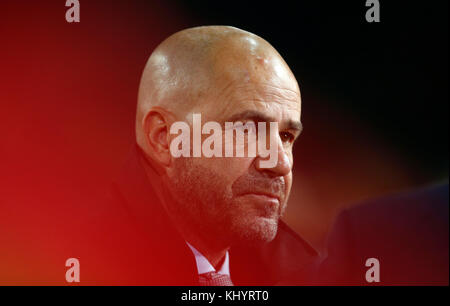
pixel 208 220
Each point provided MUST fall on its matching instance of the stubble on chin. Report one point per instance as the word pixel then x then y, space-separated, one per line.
pixel 204 203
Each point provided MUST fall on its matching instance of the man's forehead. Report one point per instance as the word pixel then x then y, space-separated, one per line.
pixel 269 97
pixel 262 101
pixel 258 73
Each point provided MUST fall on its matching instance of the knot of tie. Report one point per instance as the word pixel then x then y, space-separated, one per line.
pixel 214 279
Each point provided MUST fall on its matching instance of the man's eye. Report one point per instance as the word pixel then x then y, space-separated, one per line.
pixel 287 137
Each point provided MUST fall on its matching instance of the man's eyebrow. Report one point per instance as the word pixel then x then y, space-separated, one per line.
pixel 260 117
pixel 295 125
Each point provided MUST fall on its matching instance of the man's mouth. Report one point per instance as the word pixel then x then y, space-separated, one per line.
pixel 268 203
pixel 264 195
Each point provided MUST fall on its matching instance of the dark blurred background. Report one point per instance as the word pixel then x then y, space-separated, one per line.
pixel 375 101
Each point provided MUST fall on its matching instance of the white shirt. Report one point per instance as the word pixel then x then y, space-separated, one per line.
pixel 204 266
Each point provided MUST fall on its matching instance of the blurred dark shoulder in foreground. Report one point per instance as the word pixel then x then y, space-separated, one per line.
pixel 407 233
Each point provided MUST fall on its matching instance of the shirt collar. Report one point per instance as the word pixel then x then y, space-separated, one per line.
pixel 204 266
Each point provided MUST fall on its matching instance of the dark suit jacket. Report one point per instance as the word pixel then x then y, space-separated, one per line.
pixel 132 241
pixel 407 233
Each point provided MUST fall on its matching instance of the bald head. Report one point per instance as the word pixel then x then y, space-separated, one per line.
pixel 193 65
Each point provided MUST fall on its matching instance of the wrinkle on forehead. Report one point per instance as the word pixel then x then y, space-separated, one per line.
pixel 265 95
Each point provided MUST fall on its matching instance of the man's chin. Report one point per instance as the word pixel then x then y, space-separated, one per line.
pixel 256 231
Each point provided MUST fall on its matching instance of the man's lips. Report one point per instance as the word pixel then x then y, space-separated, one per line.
pixel 263 195
pixel 268 205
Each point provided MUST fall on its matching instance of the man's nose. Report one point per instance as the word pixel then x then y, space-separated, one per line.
pixel 283 165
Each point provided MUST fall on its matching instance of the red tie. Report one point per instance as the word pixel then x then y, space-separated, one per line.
pixel 214 279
